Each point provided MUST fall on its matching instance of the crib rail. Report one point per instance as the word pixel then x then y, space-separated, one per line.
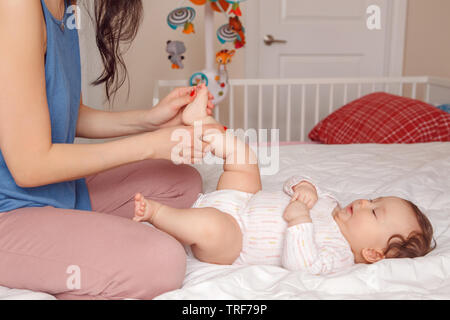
pixel 295 105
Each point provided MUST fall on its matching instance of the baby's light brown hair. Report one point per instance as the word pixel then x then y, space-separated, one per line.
pixel 417 244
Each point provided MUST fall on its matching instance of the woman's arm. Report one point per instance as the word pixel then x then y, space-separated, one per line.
pixel 98 124
pixel 25 128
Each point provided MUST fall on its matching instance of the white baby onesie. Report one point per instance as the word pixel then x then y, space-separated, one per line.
pixel 317 247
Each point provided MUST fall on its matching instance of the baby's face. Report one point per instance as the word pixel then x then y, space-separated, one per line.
pixel 369 224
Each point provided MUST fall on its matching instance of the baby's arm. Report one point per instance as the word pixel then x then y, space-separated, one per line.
pixel 299 245
pixel 300 251
pixel 296 213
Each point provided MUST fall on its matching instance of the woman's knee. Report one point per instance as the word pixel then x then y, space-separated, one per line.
pixel 169 269
pixel 177 186
pixel 188 185
pixel 154 267
pixel 191 177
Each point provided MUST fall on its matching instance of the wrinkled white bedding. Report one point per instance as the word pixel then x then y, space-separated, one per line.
pixel 16 294
pixel 419 172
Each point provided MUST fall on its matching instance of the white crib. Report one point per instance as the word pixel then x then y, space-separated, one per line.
pixel 295 105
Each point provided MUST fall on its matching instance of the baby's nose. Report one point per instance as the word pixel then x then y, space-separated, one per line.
pixel 363 202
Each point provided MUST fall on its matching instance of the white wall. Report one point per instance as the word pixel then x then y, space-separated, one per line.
pixel 147 58
pixel 91 66
pixel 427 48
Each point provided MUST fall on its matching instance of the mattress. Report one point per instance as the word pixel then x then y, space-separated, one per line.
pixel 418 172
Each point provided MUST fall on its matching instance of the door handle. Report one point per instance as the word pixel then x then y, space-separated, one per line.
pixel 269 40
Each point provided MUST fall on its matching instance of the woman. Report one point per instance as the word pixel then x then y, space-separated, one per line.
pixel 66 209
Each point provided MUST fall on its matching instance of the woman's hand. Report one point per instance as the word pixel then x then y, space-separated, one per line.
pixel 296 213
pixel 306 193
pixel 180 144
pixel 167 113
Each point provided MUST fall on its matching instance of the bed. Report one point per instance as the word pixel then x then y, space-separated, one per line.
pixel 418 172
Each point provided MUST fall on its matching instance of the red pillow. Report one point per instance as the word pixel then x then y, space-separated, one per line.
pixel 383 118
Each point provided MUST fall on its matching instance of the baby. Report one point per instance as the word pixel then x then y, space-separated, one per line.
pixel 299 228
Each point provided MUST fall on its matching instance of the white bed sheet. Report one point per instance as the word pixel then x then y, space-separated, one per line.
pixel 419 172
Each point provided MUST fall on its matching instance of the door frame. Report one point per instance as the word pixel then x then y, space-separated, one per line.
pixel 394 53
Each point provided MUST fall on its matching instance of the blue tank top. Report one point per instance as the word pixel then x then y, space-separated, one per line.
pixel 63 81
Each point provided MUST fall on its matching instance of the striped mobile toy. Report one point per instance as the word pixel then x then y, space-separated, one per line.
pixel 231 32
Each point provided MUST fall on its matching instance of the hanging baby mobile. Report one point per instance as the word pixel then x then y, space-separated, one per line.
pixel 176 49
pixel 182 17
pixel 230 33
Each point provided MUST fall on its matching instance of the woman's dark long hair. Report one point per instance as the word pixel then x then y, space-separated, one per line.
pixel 117 23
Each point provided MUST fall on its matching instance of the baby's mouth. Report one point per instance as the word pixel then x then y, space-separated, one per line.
pixel 350 209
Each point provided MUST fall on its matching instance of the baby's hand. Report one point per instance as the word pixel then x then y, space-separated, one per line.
pixel 296 213
pixel 305 192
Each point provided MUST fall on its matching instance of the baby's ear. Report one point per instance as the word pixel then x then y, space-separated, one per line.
pixel 372 255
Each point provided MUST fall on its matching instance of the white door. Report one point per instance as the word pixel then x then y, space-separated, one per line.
pixel 323 38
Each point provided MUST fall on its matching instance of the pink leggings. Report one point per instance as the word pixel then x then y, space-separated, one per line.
pixel 101 254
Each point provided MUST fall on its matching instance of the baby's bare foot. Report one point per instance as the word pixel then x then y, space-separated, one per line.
pixel 197 109
pixel 145 210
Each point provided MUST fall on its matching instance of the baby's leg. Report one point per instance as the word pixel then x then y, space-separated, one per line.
pixel 241 171
pixel 214 236
pixel 197 109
